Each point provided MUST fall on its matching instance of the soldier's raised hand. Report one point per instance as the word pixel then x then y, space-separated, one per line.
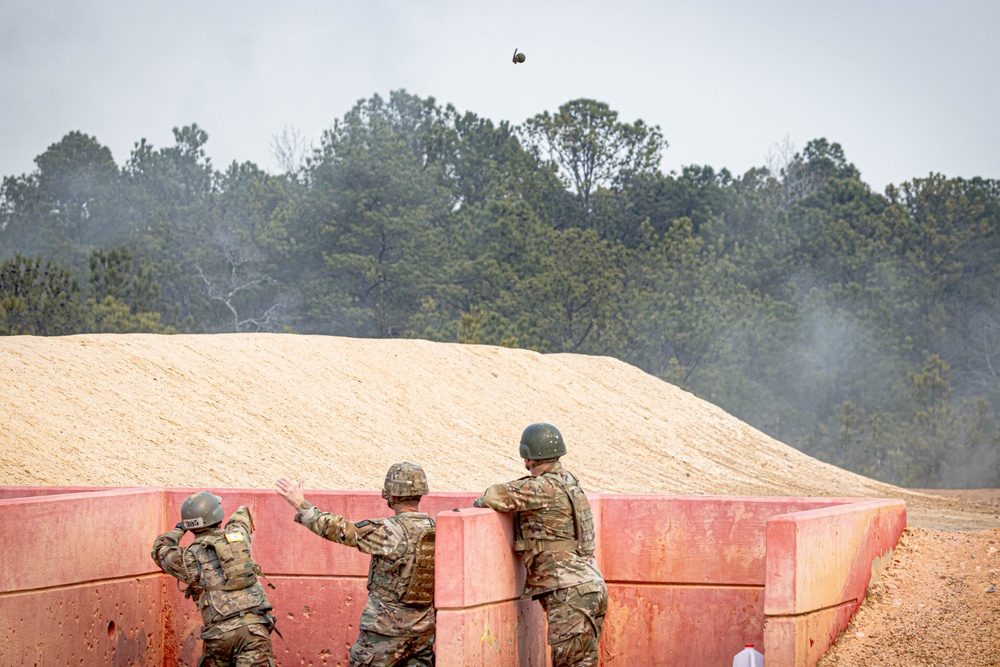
pixel 293 492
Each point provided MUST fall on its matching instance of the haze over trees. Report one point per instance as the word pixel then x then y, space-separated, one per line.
pixel 860 327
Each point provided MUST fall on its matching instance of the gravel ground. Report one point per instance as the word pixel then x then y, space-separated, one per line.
pixel 936 604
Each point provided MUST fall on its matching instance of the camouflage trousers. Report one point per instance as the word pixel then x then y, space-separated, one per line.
pixel 244 646
pixel 576 618
pixel 375 650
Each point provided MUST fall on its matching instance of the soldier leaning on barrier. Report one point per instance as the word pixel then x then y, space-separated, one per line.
pixel 397 624
pixel 554 530
pixel 222 577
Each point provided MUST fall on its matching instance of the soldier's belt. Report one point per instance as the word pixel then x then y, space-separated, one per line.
pixel 537 546
pixel 246 617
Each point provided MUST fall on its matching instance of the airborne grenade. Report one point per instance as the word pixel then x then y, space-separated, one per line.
pixel 518 57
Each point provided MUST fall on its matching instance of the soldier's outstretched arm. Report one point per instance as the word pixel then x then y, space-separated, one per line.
pixel 325 524
pixel 527 493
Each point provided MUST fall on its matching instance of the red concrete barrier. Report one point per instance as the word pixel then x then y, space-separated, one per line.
pixel 691 578
pixel 819 566
pixel 7 492
pixel 692 626
pixel 481 565
pixel 690 572
pixel 715 540
pixel 97 623
pixel 63 539
pixel 478 580
pixel 77 585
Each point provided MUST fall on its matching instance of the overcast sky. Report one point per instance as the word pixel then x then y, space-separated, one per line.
pixel 907 88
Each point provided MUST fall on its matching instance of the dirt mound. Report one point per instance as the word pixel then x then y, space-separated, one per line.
pixel 240 410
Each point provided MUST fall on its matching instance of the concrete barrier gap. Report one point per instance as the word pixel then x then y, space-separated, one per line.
pixel 690 577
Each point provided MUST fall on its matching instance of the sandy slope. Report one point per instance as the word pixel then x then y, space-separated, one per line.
pixel 241 410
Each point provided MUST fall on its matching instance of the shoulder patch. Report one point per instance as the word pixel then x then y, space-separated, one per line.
pixel 363 523
pixel 234 537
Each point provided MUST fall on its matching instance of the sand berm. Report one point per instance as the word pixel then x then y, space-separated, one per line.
pixel 240 410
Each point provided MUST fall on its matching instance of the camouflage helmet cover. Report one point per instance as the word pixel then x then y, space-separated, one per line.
pixel 201 510
pixel 541 442
pixel 405 480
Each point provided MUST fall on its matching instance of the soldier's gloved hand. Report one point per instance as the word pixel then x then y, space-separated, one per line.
pixel 478 502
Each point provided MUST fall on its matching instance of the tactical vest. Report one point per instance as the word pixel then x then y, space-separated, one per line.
pixel 228 584
pixel 409 579
pixel 544 530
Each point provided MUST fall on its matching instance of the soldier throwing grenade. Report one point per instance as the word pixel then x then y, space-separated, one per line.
pixel 554 530
pixel 222 577
pixel 397 624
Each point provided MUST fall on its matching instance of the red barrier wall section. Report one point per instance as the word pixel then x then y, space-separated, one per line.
pixel 689 571
pixel 819 566
pixel 690 539
pixel 691 578
pixel 7 492
pixel 477 609
pixel 113 623
pixel 51 543
pixel 63 539
pixel 481 565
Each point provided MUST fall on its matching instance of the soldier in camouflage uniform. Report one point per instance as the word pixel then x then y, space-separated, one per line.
pixel 222 577
pixel 554 531
pixel 397 624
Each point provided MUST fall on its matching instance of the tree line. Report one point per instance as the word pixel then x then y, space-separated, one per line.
pixel 862 328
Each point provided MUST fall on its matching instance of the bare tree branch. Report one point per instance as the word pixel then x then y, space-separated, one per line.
pixel 289 150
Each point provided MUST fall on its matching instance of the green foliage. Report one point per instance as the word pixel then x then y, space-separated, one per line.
pixel 809 170
pixel 65 206
pixel 862 328
pixel 593 149
pixel 123 294
pixel 38 300
pixel 936 442
pixel 573 296
pixel 381 248
pixel 114 274
pixel 112 316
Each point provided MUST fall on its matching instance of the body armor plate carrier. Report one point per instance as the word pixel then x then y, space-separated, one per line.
pixel 228 583
pixel 410 579
pixel 583 522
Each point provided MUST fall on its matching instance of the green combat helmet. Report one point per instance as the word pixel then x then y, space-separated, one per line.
pixel 201 510
pixel 405 480
pixel 541 442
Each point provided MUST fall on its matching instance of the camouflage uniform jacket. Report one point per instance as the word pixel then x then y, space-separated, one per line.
pixel 545 513
pixel 386 539
pixel 221 610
